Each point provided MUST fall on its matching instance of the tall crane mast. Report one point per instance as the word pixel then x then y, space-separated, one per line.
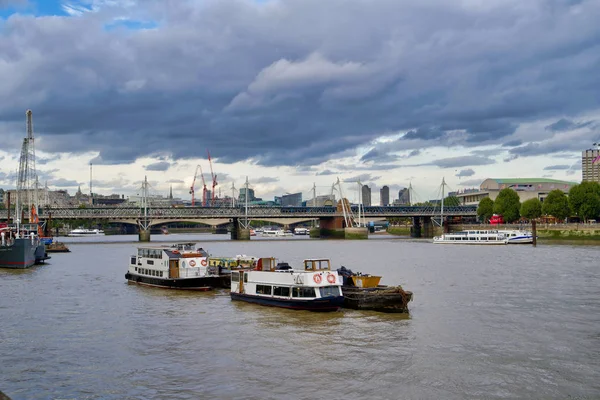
pixel 214 180
pixel 192 191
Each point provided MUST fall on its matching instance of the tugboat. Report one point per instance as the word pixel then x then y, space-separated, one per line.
pixel 57 247
pixel 314 288
pixel 20 251
pixel 363 292
pixel 176 267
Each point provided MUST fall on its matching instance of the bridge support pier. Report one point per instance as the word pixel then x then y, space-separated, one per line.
pixel 144 235
pixel 415 230
pixel 331 228
pixel 237 232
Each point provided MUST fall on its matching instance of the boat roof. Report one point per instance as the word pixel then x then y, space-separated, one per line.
pixel 316 259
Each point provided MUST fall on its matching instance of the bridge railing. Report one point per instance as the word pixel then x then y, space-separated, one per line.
pixel 253 212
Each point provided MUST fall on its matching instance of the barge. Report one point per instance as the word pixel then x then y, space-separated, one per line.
pixel 363 292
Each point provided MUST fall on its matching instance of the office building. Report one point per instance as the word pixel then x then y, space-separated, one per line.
pixel 403 197
pixel 384 196
pixel 366 195
pixel 242 196
pixel 526 188
pixel 590 171
pixel 291 200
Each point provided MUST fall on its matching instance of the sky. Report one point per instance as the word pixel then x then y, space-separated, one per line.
pixel 296 93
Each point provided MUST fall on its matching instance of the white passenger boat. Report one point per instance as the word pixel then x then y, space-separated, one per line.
pixel 180 266
pixel 301 231
pixel 86 232
pixel 518 236
pixel 314 288
pixel 482 237
pixel 277 233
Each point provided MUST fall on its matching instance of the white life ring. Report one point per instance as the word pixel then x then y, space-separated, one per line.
pixel 192 263
pixel 204 263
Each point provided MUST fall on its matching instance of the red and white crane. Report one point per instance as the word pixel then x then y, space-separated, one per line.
pixel 214 181
pixel 192 191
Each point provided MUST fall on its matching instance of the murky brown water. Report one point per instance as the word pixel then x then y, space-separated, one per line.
pixel 496 323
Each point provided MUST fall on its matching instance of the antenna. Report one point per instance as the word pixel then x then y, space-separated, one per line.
pixel 91 191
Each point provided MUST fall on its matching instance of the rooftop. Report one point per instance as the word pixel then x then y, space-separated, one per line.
pixel 513 181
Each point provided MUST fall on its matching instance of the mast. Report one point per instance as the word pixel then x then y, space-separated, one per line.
pixel 442 209
pixel 410 189
pixel 314 194
pixel 232 194
pixel 246 200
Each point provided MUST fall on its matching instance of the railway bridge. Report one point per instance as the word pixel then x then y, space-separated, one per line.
pixel 332 220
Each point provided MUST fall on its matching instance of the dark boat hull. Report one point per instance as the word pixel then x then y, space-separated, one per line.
pixel 382 298
pixel 199 283
pixel 22 254
pixel 324 304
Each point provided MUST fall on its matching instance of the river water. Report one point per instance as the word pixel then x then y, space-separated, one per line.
pixel 497 322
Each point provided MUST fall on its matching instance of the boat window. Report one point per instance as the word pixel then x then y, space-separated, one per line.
pixel 150 262
pixel 303 292
pixel 245 277
pixel 281 291
pixel 135 269
pixel 161 274
pixel 235 277
pixel 263 289
pixel 329 291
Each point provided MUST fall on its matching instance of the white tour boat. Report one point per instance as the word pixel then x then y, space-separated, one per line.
pixel 518 236
pixel 314 288
pixel 301 231
pixel 86 232
pixel 483 237
pixel 180 266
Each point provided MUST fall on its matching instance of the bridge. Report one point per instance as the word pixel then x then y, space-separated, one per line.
pixel 329 217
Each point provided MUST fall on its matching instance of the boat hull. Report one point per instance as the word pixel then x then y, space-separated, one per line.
pixel 22 254
pixel 468 242
pixel 382 299
pixel 322 304
pixel 521 240
pixel 197 283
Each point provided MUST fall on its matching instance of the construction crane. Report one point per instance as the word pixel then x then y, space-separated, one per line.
pixel 192 191
pixel 214 180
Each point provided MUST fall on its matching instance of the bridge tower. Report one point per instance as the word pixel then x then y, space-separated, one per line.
pixel 144 221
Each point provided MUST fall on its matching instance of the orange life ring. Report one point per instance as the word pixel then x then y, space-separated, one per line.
pixel 330 278
pixel 192 263
pixel 203 262
pixel 317 278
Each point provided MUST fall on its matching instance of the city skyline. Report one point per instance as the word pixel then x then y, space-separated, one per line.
pixel 397 105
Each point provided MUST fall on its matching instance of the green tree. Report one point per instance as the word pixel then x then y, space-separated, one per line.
pixel 508 205
pixel 578 197
pixel 485 210
pixel 531 209
pixel 451 201
pixel 590 208
pixel 556 204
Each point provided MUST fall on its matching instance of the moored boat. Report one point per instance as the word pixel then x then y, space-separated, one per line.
pixel 18 251
pixel 85 232
pixel 175 267
pixel 315 288
pixel 57 247
pixel 518 236
pixel 480 237
pixel 363 292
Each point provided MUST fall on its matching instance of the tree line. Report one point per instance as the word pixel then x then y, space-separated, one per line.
pixel 583 202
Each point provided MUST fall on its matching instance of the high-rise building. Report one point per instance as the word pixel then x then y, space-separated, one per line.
pixel 404 197
pixel 384 196
pixel 291 200
pixel 242 196
pixel 366 195
pixel 590 171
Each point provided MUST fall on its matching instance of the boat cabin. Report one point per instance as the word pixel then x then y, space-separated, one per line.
pixel 173 262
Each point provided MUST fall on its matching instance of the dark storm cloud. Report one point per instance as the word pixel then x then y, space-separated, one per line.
pixel 513 143
pixel 158 166
pixel 461 161
pixel 563 125
pixel 556 167
pixel 378 156
pixel 465 172
pixel 296 82
pixel 471 182
pixel 61 183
